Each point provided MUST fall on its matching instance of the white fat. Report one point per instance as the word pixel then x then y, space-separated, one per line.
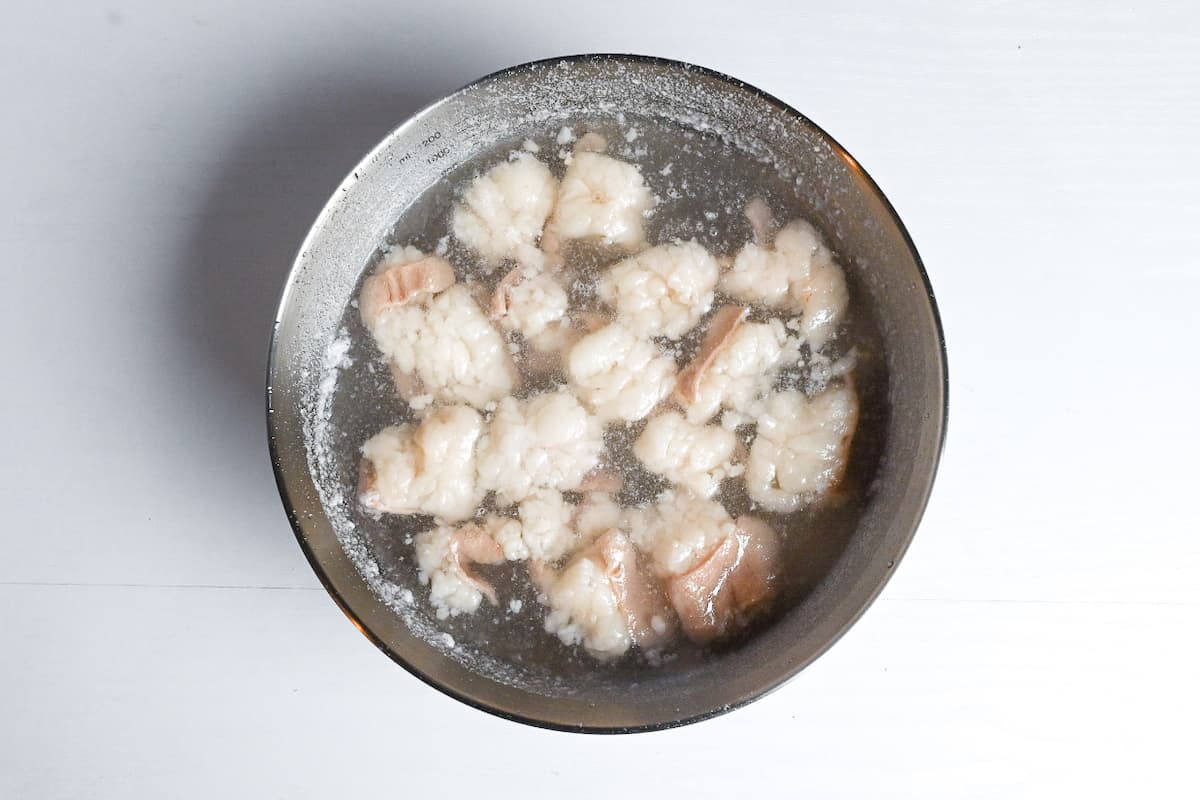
pixel 801 447
pixel 556 338
pixel 584 609
pixel 732 420
pixel 449 346
pixel 694 457
pixel 663 291
pixel 427 469
pixel 546 525
pixel 742 373
pixel 545 532
pixel 534 303
pixel 679 531
pixel 796 273
pixel 603 198
pixel 508 534
pixel 548 441
pixel 620 375
pixel 503 211
pixel 451 592
pixel 825 301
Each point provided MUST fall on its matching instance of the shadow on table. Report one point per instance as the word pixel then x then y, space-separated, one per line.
pixel 258 206
pixel 263 194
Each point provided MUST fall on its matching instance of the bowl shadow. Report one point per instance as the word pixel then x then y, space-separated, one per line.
pixel 256 211
pixel 251 215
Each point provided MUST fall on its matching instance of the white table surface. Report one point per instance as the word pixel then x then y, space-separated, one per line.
pixel 162 634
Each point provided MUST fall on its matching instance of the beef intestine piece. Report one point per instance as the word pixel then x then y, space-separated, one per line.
pixel 735 365
pixel 604 599
pixel 424 469
pixel 801 448
pixel 445 559
pixel 718 573
pixel 796 273
pixel 504 210
pixel 436 338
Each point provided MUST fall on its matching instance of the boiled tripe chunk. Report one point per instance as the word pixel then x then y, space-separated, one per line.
pixel 663 291
pixel 404 275
pixel 444 558
pixel 547 525
pixel 503 211
pixel 797 273
pixel 801 447
pixel 774 274
pixel 730 585
pixel 619 374
pixel 546 441
pixel 405 279
pixel 546 531
pixel 603 198
pixel 445 346
pixel 584 608
pixel 825 301
pixel 734 367
pixel 679 530
pixel 425 469
pixel 604 600
pixel 529 300
pixel 695 457
pixel 640 599
pixel 717 572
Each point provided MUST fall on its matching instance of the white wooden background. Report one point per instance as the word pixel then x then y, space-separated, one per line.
pixel 161 633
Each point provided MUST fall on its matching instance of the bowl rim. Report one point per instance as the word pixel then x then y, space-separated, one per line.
pixel 868 598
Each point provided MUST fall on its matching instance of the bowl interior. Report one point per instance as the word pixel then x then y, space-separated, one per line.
pixel 724 126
